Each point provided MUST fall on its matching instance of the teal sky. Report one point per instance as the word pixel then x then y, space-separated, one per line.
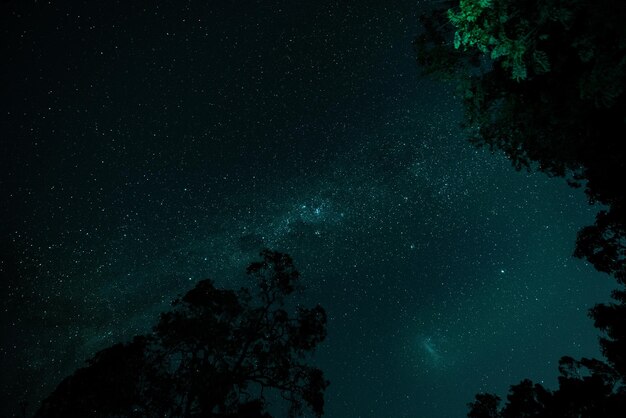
pixel 148 148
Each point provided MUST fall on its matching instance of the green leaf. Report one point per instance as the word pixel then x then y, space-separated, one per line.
pixel 457 40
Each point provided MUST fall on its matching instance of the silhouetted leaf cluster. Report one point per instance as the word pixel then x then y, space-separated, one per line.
pixel 587 388
pixel 591 395
pixel 544 81
pixel 217 353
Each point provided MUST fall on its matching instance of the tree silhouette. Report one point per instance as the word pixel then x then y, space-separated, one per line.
pixel 611 318
pixel 544 81
pixel 217 353
pixel 587 387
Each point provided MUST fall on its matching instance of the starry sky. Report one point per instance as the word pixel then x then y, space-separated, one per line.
pixel 148 145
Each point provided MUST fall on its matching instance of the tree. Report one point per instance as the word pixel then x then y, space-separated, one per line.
pixel 217 353
pixel 587 387
pixel 611 318
pixel 544 81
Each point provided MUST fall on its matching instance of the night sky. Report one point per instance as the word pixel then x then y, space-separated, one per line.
pixel 146 147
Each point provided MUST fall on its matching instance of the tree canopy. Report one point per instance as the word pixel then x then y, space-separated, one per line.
pixel 544 81
pixel 587 388
pixel 217 353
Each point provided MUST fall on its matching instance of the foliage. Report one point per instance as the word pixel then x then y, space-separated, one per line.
pixel 217 353
pixel 611 319
pixel 587 387
pixel 544 81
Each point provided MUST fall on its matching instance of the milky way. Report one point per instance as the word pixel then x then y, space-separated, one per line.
pixel 146 148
